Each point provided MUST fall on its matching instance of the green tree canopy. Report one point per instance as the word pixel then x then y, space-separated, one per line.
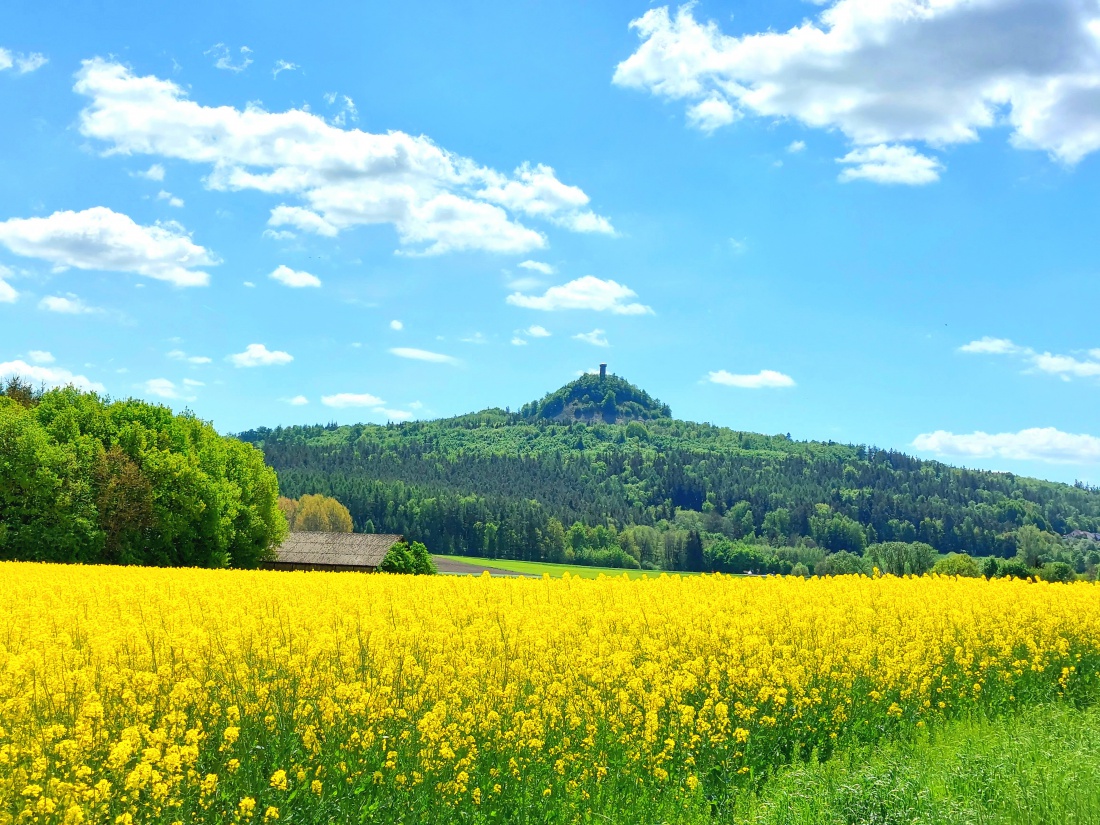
pixel 86 479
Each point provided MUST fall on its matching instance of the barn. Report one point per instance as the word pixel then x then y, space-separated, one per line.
pixel 359 552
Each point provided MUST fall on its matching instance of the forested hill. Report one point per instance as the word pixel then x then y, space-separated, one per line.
pixel 530 485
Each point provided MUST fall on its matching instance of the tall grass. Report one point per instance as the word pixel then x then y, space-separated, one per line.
pixel 1041 767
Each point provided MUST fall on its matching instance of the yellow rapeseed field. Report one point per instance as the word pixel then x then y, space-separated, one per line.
pixel 132 695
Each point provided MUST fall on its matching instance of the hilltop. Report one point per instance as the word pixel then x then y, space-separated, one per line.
pixel 591 398
pixel 599 471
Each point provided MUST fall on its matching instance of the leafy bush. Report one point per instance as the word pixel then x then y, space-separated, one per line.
pixel 841 564
pixel 1057 571
pixel 413 559
pixel 958 564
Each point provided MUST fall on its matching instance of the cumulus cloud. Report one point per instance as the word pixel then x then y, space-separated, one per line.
pixel 8 295
pixel 294 278
pixel 761 380
pixel 180 355
pixel 588 292
pixel 796 146
pixel 424 355
pixel 437 201
pixel 596 338
pixel 352 399
pixel 538 266
pixel 101 239
pixel 535 331
pixel 298 401
pixel 1035 444
pixel 154 172
pixel 396 325
pixel 886 73
pixel 1085 364
pixel 40 356
pixel 518 342
pixel 22 63
pixel 50 376
pixel 172 199
pixel 223 58
pixel 711 114
pixel 257 355
pixel 890 164
pixel 66 305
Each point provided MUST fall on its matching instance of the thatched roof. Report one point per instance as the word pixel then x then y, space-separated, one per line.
pixel 336 549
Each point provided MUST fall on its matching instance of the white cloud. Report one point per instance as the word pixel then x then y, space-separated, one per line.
pixel 536 191
pixel 249 284
pixel 50 376
pixel 8 295
pixel 525 283
pixel 223 58
pixel 279 234
pixel 796 146
pixel 596 338
pixel 991 346
pixel 283 66
pixel 424 355
pixel 172 199
pixel 535 331
pixel 396 325
pixel 588 292
pixel 437 201
pixel 23 63
pixel 538 266
pixel 894 71
pixel 180 355
pixel 518 342
pixel 712 113
pixel 41 356
pixel 154 172
pixel 298 401
pixel 761 380
pixel 1066 367
pixel 1034 444
pixel 395 415
pixel 351 399
pixel 161 387
pixel 191 382
pixel 294 278
pixel 257 355
pixel 302 219
pixel 66 305
pixel 476 338
pixel 101 239
pixel 890 164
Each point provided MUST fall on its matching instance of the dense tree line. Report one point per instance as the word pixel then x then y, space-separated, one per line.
pixel 86 479
pixel 515 485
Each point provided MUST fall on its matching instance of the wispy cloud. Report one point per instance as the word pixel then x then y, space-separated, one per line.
pixel 1046 444
pixel 761 380
pixel 424 355
pixel 1083 364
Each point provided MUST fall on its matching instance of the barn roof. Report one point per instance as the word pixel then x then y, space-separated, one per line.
pixel 344 549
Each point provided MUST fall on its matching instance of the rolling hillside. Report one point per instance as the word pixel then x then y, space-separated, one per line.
pixel 556 481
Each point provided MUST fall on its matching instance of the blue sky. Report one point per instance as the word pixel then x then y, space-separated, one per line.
pixel 861 221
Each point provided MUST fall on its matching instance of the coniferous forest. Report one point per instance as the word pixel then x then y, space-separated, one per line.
pixel 598 472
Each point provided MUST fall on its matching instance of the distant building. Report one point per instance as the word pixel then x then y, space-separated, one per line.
pixel 1081 534
pixel 357 552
